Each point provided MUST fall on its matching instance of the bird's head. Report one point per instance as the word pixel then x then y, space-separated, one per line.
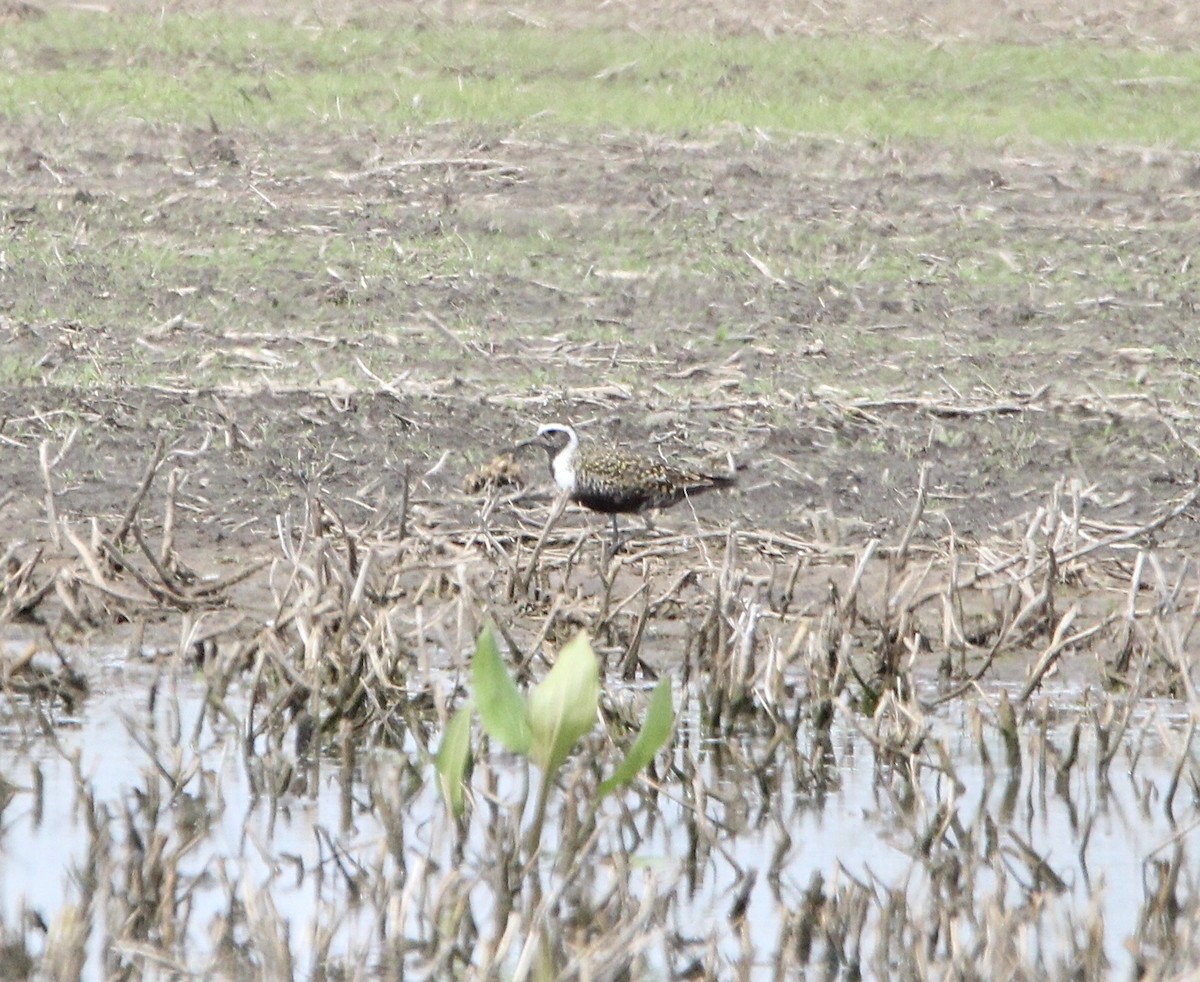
pixel 554 438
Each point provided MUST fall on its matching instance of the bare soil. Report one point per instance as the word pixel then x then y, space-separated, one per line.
pixel 334 381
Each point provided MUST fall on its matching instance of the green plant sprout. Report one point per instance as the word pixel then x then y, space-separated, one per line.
pixel 545 726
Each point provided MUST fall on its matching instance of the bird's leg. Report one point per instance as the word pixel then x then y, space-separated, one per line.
pixel 617 541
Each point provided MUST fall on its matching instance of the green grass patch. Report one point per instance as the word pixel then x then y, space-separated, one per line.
pixel 262 72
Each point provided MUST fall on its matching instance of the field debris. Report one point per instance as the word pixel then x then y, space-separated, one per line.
pixel 922 695
pixel 502 472
pixel 781 683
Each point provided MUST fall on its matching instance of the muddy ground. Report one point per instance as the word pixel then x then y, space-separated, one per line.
pixel 252 379
pixel 831 314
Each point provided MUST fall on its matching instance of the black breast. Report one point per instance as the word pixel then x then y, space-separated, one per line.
pixel 614 501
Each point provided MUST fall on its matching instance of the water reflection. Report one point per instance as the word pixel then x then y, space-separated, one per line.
pixel 158 809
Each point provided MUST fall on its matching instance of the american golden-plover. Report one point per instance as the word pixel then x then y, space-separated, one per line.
pixel 614 481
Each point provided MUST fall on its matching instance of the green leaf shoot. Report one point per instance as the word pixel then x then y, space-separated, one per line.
pixel 453 756
pixel 656 730
pixel 563 706
pixel 502 708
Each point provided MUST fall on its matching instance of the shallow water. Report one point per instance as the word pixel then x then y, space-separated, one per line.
pixel 283 856
pixel 861 831
pixel 245 841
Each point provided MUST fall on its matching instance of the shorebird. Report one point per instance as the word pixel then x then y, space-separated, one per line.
pixel 616 482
